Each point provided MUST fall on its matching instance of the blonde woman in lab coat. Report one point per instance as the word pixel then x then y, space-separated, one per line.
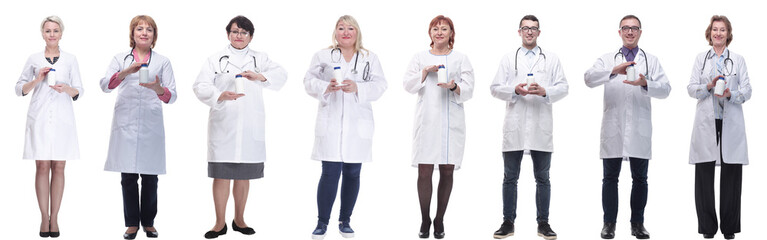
pixel 719 130
pixel 137 141
pixel 344 128
pixel 236 147
pixel 439 131
pixel 51 137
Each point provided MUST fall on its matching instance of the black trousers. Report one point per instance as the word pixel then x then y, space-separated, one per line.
pixel 730 186
pixel 147 210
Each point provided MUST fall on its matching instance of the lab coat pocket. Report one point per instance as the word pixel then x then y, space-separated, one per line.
pixel 365 128
pixel 321 127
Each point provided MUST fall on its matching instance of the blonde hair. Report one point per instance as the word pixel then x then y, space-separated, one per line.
pixel 136 21
pixel 351 21
pixel 53 19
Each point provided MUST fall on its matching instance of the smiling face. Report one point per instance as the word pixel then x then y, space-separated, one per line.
pixel 440 34
pixel 630 31
pixel 529 32
pixel 51 33
pixel 346 35
pixel 719 34
pixel 143 35
pixel 238 37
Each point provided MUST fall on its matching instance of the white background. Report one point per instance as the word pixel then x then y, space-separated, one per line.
pixel 283 204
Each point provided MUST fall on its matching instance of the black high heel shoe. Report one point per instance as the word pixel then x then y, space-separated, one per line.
pixel 151 234
pixel 214 234
pixel 424 232
pixel 439 229
pixel 246 230
pixel 53 234
pixel 130 235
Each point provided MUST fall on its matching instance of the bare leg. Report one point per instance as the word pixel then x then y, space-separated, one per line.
pixel 42 188
pixel 241 188
pixel 424 194
pixel 57 192
pixel 220 198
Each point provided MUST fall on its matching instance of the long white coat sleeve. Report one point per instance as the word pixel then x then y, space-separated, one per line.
pixel 275 75
pixel 560 88
pixel 657 84
pixel 467 81
pixel 413 80
pixel 598 74
pixel 502 87
pixel 313 83
pixel 204 87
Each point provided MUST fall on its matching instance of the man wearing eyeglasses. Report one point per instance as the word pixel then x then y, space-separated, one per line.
pixel 626 123
pixel 528 126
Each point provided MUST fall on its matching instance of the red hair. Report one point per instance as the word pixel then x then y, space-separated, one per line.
pixel 445 20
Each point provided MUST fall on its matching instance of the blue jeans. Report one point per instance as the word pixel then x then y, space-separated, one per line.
pixel 541 165
pixel 611 172
pixel 328 187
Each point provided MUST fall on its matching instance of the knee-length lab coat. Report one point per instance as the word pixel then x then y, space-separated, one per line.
pixel 439 131
pixel 703 146
pixel 344 127
pixel 236 128
pixel 627 119
pixel 137 141
pixel 528 124
pixel 50 130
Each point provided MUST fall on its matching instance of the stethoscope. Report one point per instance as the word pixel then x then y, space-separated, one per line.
pixel 365 71
pixel 646 66
pixel 728 71
pixel 516 55
pixel 132 59
pixel 226 57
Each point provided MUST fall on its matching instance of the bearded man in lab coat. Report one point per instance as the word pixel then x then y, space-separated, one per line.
pixel 626 122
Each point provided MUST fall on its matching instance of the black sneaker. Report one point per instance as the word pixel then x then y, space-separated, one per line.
pixel 544 230
pixel 506 230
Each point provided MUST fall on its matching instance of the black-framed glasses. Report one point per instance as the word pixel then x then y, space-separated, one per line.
pixel 526 28
pixel 632 28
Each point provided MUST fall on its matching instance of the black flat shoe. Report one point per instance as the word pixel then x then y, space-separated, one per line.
pixel 608 231
pixel 246 231
pixel 55 234
pixel 638 231
pixel 424 232
pixel 151 234
pixel 214 234
pixel 45 234
pixel 708 236
pixel 729 236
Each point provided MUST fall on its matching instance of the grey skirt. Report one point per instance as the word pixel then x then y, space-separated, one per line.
pixel 236 171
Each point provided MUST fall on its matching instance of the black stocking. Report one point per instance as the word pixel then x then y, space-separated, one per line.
pixel 424 194
pixel 443 194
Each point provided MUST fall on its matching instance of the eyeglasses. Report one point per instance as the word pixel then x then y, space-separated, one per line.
pixel 633 28
pixel 243 33
pixel 526 28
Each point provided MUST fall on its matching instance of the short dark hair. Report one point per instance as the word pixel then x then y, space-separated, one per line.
pixel 531 18
pixel 242 22
pixel 630 16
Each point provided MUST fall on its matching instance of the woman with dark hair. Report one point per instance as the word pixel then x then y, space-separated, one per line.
pixel 236 147
pixel 137 142
pixel 440 131
pixel 719 130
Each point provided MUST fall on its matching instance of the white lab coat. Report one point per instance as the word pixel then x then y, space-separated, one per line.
pixel 344 127
pixel 703 146
pixel 236 128
pixel 627 119
pixel 528 123
pixel 50 131
pixel 439 131
pixel 137 141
